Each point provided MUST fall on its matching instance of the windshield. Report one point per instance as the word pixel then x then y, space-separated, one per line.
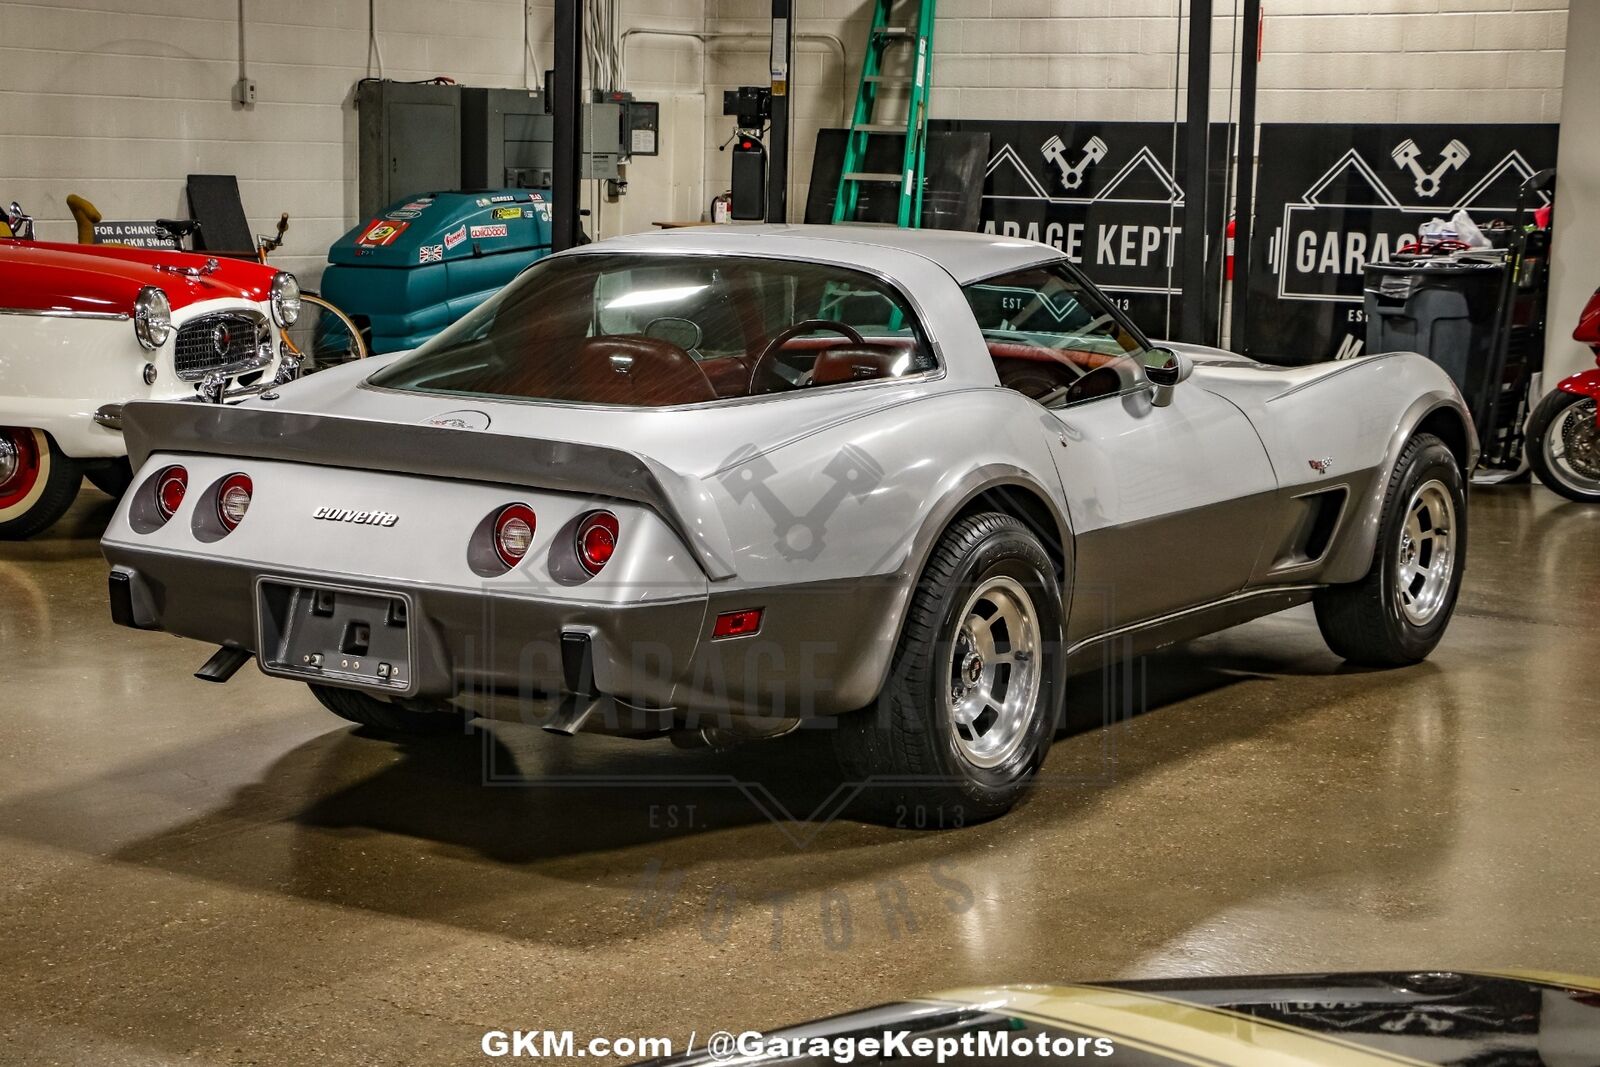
pixel 658 330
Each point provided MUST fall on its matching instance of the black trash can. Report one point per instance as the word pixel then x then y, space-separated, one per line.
pixel 1445 308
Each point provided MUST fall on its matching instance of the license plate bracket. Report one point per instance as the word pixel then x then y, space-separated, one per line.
pixel 336 634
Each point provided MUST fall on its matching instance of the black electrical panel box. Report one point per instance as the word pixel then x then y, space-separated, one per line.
pixel 643 135
pixel 409 141
pixel 506 139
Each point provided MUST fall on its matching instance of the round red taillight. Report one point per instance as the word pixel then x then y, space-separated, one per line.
pixel 513 533
pixel 171 485
pixel 233 500
pixel 597 540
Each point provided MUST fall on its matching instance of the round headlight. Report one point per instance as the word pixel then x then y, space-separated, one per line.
pixel 152 317
pixel 285 299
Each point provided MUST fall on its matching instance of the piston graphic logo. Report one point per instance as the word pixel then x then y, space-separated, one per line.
pixel 1055 151
pixel 1407 156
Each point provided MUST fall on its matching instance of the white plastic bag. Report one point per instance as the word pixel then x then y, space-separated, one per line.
pixel 1467 231
pixel 1436 228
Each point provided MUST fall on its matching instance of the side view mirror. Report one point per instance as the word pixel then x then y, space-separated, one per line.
pixel 1165 369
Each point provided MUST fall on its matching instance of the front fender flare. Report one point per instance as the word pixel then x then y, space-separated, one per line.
pixel 1353 558
pixel 1584 383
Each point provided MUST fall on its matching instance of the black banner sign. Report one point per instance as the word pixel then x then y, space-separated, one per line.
pixel 1331 198
pixel 1109 195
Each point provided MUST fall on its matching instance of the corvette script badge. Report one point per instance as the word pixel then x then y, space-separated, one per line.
pixel 364 518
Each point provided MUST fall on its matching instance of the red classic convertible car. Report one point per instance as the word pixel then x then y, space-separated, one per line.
pixel 85 329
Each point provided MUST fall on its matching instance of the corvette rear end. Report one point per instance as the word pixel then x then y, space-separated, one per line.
pixel 461 576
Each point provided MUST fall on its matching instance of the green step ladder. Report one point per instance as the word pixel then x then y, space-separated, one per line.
pixel 865 125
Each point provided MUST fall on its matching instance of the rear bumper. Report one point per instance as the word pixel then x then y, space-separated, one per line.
pixel 465 641
pixel 823 649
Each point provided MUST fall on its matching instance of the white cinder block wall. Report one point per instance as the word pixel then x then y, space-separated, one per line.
pixel 119 99
pixel 1322 61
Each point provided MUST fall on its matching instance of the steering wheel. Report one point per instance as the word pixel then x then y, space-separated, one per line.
pixel 769 354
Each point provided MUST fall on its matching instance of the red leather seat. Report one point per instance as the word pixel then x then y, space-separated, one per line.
pixel 728 375
pixel 855 363
pixel 1083 360
pixel 638 371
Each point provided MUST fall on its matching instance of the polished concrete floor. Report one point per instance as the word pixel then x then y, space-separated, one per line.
pixel 201 874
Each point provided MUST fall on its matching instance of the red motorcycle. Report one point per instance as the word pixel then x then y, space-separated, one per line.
pixel 1565 427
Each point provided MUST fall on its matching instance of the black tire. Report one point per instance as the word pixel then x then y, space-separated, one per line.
pixel 1558 474
pixel 907 746
pixel 385 716
pixel 1366 622
pixel 112 477
pixel 40 483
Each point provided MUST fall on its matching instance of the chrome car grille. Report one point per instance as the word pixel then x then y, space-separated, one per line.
pixel 229 341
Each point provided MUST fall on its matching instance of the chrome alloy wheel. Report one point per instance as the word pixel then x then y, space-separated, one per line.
pixel 994 672
pixel 1426 554
pixel 10 459
pixel 1572 447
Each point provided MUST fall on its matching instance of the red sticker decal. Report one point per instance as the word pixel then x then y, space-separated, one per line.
pixel 381 232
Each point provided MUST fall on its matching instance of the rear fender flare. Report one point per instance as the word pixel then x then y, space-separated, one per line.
pixel 967 488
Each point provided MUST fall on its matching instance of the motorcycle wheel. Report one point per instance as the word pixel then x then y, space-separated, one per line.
pixel 1564 446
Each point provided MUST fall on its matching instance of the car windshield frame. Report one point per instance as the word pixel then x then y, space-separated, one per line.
pixel 404 375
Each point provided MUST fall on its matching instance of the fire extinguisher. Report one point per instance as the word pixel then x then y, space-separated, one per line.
pixel 1227 262
pixel 722 208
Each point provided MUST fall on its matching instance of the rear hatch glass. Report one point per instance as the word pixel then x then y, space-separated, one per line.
pixel 660 330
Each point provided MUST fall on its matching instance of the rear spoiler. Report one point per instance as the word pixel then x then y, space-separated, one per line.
pixel 434 451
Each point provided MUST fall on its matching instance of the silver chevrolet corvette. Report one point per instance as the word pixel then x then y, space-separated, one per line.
pixel 720 483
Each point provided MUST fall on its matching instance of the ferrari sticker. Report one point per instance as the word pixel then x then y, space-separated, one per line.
pixel 380 233
pixel 506 213
pixel 455 236
pixel 496 230
pixel 430 254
